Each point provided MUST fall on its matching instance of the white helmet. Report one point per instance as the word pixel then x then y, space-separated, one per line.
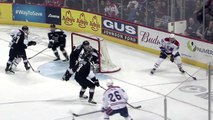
pixel 172 36
pixel 109 83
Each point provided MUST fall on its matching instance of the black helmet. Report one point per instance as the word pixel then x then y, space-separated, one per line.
pixel 25 28
pixel 52 26
pixel 85 43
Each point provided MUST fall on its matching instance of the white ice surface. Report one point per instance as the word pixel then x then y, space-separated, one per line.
pixel 44 96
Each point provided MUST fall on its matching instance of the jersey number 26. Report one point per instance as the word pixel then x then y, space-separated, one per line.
pixel 114 96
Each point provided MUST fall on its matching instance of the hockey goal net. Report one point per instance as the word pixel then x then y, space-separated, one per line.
pixel 105 63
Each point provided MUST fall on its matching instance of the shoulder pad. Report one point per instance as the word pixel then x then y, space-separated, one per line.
pixel 176 43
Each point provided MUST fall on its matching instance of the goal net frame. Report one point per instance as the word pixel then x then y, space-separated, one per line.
pixel 105 64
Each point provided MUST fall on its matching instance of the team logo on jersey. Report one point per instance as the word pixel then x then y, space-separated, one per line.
pixel 191 46
pixel 192 89
pixel 68 19
pixel 94 23
pixel 82 22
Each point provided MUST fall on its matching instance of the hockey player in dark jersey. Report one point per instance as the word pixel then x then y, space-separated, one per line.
pixel 17 49
pixel 76 55
pixel 85 76
pixel 57 38
pixel 169 47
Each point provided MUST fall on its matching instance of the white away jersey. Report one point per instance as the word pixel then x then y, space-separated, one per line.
pixel 170 47
pixel 115 98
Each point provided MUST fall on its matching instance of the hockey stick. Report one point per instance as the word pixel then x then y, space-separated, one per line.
pixel 38 53
pixel 78 115
pixel 135 107
pixel 31 66
pixel 194 78
pixel 190 75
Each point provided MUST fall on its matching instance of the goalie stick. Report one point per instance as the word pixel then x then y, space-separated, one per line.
pixel 135 107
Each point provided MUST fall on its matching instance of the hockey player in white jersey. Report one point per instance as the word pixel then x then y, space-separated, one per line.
pixel 114 101
pixel 169 46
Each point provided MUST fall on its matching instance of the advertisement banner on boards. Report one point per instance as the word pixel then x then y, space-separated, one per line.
pixel 189 48
pixel 81 20
pixel 29 13
pixel 53 15
pixel 5 12
pixel 119 29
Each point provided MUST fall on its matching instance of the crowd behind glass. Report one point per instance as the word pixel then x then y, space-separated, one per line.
pixel 152 13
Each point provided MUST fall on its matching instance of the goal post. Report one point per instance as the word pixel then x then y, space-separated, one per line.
pixel 105 64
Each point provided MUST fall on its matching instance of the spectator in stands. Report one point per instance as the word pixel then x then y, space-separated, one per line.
pixel 209 32
pixel 111 9
pixel 208 13
pixel 132 9
pixel 191 28
pixel 200 33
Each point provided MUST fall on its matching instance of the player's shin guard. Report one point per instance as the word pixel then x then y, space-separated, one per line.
pixel 57 55
pixel 65 55
pixel 81 94
pixel 91 94
pixel 179 64
pixel 27 67
pixel 15 63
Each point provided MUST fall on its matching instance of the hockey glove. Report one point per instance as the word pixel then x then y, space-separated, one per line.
pixel 172 58
pixel 50 45
pixel 96 82
pixel 66 76
pixel 163 50
pixel 103 109
pixel 31 43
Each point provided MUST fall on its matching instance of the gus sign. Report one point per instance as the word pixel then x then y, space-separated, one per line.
pixel 119 29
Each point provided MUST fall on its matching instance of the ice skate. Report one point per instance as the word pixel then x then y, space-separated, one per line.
pixel 91 101
pixel 82 97
pixel 57 59
pixel 9 71
pixel 153 71
pixel 181 70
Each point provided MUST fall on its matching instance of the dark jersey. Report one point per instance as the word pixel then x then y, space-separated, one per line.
pixel 57 35
pixel 83 69
pixel 18 41
pixel 75 54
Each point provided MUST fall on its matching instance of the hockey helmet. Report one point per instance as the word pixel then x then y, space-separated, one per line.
pixel 85 43
pixel 52 26
pixel 109 83
pixel 172 36
pixel 25 28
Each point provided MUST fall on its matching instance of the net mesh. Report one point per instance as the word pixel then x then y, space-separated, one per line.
pixel 105 63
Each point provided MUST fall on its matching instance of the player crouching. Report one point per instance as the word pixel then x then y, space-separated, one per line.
pixel 114 101
pixel 169 46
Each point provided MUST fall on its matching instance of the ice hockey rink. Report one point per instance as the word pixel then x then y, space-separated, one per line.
pixel 29 95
